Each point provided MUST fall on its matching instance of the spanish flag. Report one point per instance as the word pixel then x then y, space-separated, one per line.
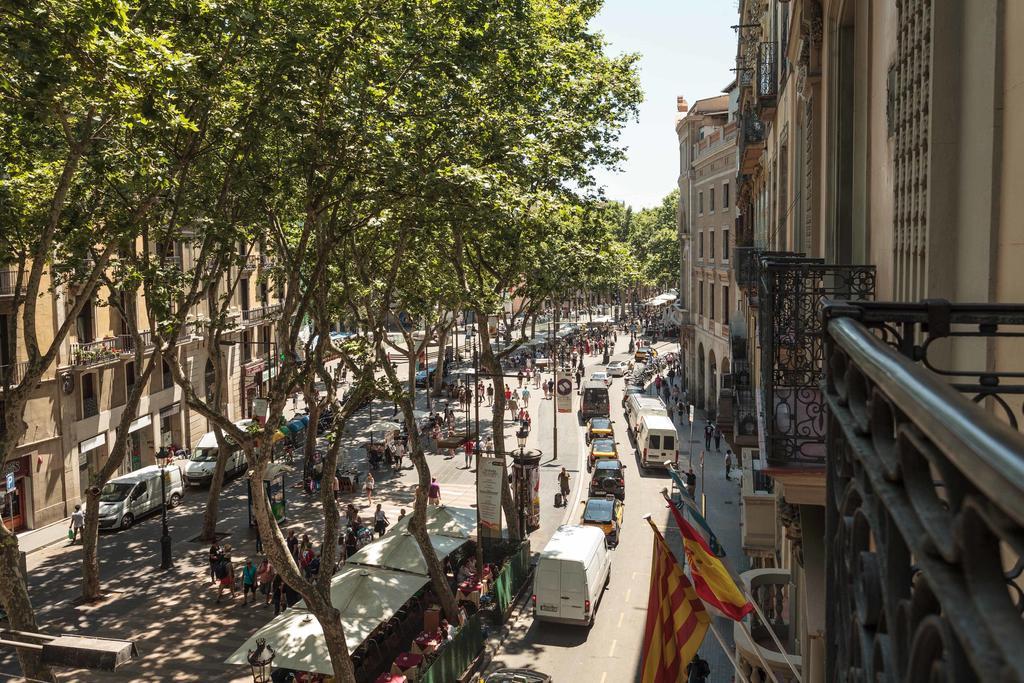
pixel 676 619
pixel 712 581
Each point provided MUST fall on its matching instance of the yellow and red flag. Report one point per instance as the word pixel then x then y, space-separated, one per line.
pixel 676 619
pixel 712 581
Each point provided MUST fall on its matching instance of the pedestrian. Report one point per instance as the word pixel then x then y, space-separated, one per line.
pixel 401 514
pixel 380 521
pixel 265 579
pixel 77 524
pixel 698 670
pixel 490 394
pixel 215 554
pixel 248 582
pixel 467 449
pixel 336 486
pixel 369 486
pixel 691 484
pixel 277 593
pixel 709 431
pixel 525 393
pixel 718 438
pixel 536 378
pixel 225 575
pixel 681 410
pixel 519 376
pixel 508 393
pixel 434 493
pixel 728 462
pixel 293 544
pixel 563 486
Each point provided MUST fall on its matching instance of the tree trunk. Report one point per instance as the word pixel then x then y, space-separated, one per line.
pixel 212 510
pixel 14 597
pixel 90 545
pixel 442 339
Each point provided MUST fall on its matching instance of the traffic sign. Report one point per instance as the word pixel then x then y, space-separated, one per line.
pixel 10 481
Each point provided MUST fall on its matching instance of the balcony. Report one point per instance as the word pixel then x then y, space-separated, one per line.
pixel 12 374
pixel 770 590
pixel 767 78
pixel 255 316
pixel 251 263
pixel 8 283
pixel 752 138
pixel 924 522
pixel 790 291
pixel 96 353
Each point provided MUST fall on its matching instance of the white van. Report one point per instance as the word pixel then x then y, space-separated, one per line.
pixel 657 442
pixel 131 496
pixel 573 570
pixel 638 405
pixel 203 461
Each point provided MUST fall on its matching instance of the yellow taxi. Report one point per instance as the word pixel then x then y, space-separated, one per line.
pixel 643 353
pixel 601 448
pixel 599 428
pixel 604 512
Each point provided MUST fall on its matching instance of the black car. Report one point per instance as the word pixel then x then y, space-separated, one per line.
pixel 609 477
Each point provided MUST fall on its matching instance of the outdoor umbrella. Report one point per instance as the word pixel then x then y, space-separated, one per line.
pixel 384 426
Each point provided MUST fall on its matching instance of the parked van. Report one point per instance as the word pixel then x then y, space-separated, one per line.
pixel 595 400
pixel 203 461
pixel 657 442
pixel 638 405
pixel 573 570
pixel 131 496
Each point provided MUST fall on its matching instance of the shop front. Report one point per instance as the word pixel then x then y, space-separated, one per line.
pixel 170 428
pixel 135 444
pixel 14 493
pixel 251 376
pixel 90 451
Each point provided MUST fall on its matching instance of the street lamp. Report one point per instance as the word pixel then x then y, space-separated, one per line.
pixel 259 663
pixel 521 438
pixel 166 562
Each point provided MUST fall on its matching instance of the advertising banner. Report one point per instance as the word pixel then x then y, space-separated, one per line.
pixel 563 391
pixel 490 480
pixel 533 511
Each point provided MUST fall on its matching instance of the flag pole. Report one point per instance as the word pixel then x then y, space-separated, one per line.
pixel 757 651
pixel 771 632
pixel 725 649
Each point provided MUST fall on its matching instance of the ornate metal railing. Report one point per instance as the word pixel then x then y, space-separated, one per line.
pixel 99 352
pixel 744 404
pixel 924 515
pixel 790 294
pixel 12 374
pixel 767 70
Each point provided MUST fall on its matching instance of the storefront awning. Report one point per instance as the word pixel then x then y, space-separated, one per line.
pixel 94 442
pixel 141 422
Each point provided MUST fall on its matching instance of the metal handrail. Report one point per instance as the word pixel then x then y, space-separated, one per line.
pixel 985 450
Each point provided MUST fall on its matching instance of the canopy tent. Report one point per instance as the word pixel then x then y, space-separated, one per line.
pixel 365 596
pixel 399 550
pixel 444 520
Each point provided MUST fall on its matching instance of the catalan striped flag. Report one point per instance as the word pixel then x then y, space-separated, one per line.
pixel 676 619
pixel 711 579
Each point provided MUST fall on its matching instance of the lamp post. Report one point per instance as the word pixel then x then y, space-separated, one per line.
pixel 259 662
pixel 166 562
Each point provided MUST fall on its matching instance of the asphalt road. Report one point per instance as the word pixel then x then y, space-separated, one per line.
pixel 609 651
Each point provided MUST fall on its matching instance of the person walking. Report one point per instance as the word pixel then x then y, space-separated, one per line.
pixel 293 545
pixel 467 449
pixel 77 524
pixel 525 394
pixel 698 670
pixel 248 582
pixel 563 486
pixel 709 431
pixel 264 579
pixel 718 438
pixel 380 521
pixel 369 486
pixel 215 554
pixel 225 575
pixel 728 462
pixel 490 394
pixel 434 493
pixel 691 484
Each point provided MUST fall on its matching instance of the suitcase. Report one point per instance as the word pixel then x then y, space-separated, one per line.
pixel 558 500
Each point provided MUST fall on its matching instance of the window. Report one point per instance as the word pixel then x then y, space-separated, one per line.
pixel 653 441
pixel 726 304
pixel 711 244
pixel 725 244
pixel 243 293
pixel 168 378
pixel 129 378
pixel 711 200
pixel 700 244
pixel 701 292
pixel 711 302
pixel 725 195
pixel 84 324
pixel 246 347
pixel 90 406
pixel 668 442
pixel 700 202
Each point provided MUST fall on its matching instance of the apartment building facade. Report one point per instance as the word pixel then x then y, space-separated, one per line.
pixel 707 214
pixel 73 415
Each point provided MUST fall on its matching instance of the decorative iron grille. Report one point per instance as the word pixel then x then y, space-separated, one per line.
pixel 767 69
pixel 790 294
pixel 924 522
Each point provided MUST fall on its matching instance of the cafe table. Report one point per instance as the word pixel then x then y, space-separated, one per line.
pixel 391 678
pixel 425 643
pixel 407 664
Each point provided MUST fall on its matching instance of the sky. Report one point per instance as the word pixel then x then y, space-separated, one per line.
pixel 686 48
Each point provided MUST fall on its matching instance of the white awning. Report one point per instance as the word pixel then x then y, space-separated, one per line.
pixel 138 424
pixel 94 442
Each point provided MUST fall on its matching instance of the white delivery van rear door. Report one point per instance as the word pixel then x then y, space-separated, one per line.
pixel 547 586
pixel 574 591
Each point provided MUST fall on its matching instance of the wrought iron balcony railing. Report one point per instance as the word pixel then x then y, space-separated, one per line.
pixel 12 374
pixel 99 352
pixel 924 521
pixel 744 404
pixel 768 71
pixel 790 329
pixel 253 316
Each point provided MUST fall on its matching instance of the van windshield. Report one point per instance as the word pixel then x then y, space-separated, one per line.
pixel 115 491
pixel 204 455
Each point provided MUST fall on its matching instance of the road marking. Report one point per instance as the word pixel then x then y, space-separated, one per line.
pixel 628 592
pixel 621 615
pixel 611 650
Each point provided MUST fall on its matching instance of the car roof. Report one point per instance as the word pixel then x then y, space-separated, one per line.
pixel 595 420
pixel 603 440
pixel 608 464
